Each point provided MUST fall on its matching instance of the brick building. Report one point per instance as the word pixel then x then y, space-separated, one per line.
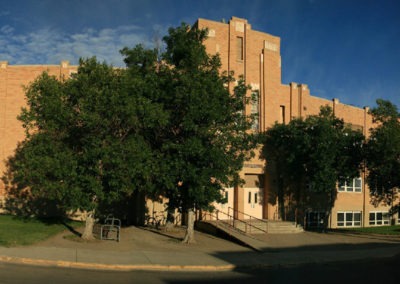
pixel 256 56
pixel 13 79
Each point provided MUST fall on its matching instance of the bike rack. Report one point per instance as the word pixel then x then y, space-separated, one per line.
pixel 111 228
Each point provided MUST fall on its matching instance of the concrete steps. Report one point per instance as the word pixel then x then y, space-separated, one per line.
pixel 270 227
pixel 283 227
pixel 249 238
pixel 251 227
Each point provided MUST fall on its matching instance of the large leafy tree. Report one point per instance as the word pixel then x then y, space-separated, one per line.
pixel 85 140
pixel 206 139
pixel 383 153
pixel 309 156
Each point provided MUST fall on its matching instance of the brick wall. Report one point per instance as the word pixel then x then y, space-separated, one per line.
pixel 13 80
pixel 261 67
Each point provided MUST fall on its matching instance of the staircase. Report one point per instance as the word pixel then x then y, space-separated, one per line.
pixel 265 226
pixel 245 230
pixel 251 225
pixel 283 227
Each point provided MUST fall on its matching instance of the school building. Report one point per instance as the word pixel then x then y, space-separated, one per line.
pixel 256 56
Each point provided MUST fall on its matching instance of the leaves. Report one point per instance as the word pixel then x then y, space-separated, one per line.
pixel 160 126
pixel 311 155
pixel 87 137
pixel 383 153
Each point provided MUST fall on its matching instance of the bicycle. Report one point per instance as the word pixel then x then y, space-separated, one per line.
pixel 157 220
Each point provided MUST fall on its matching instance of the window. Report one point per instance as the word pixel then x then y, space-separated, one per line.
pixel 378 218
pixel 239 47
pixel 315 219
pixel 255 106
pixel 282 114
pixel 249 197
pixel 353 186
pixel 349 219
pixel 255 198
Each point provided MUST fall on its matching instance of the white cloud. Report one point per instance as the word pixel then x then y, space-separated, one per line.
pixel 6 29
pixel 47 46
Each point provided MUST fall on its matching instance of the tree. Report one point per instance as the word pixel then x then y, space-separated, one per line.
pixel 166 126
pixel 383 153
pixel 85 143
pixel 206 139
pixel 309 156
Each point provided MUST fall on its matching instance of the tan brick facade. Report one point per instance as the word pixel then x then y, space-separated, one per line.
pixel 260 65
pixel 13 79
pixel 256 56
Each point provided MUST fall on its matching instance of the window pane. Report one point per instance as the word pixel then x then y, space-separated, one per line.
pixel 340 217
pixel 385 217
pixel 255 198
pixel 349 216
pixel 357 216
pixel 239 46
pixel 379 216
pixel 372 216
pixel 357 182
pixel 249 197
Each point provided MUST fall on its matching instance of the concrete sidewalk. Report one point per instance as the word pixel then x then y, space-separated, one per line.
pixel 140 249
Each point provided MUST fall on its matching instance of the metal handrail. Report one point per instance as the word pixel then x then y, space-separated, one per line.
pixel 247 225
pixel 250 217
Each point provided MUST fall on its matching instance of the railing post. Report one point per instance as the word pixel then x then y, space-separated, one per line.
pixel 250 225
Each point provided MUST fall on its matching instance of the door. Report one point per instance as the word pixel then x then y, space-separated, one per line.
pixel 253 202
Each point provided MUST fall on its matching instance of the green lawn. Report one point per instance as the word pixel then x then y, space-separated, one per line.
pixel 382 230
pixel 16 231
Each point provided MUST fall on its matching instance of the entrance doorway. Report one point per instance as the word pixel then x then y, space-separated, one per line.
pixel 253 195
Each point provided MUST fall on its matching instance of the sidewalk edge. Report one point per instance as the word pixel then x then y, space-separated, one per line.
pixel 115 267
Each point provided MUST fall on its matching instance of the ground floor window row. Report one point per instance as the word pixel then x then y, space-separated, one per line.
pixel 354 218
pixel 349 219
pixel 379 218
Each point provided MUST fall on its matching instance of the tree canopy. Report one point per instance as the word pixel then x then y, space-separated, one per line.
pixel 85 145
pixel 167 124
pixel 383 153
pixel 309 156
pixel 206 140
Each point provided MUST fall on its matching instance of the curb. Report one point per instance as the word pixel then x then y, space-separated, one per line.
pixel 114 267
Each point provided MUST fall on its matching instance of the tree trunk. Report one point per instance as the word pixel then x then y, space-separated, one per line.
pixel 88 232
pixel 189 236
pixel 170 220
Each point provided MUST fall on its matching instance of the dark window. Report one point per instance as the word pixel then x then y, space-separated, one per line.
pixel 239 46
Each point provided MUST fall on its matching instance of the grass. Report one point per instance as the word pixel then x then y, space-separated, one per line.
pixel 16 231
pixel 381 230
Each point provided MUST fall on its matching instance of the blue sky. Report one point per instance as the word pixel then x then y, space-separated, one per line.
pixel 345 49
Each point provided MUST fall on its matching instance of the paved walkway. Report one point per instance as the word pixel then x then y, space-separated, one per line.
pixel 141 249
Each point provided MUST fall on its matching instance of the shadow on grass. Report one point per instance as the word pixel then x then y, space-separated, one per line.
pixel 71 229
